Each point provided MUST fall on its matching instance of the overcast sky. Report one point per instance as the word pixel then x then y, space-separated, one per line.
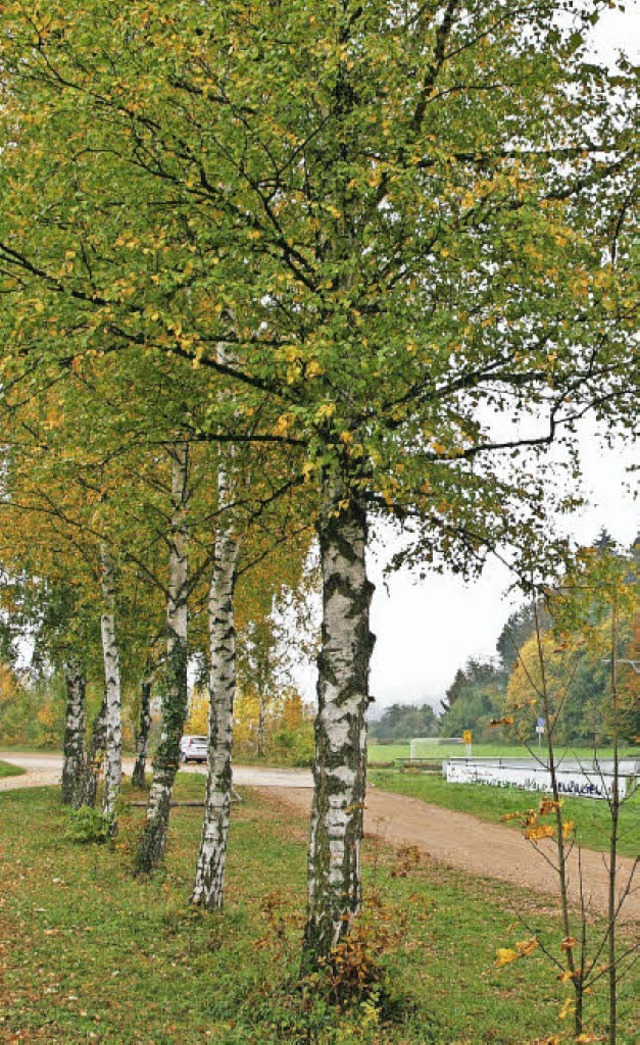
pixel 426 630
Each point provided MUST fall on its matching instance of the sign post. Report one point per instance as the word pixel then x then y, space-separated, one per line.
pixel 466 740
pixel 540 731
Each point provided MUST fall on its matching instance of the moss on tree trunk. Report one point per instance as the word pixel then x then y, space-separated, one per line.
pixel 74 764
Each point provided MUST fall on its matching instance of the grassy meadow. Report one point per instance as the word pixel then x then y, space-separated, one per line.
pixel 388 752
pixel 6 769
pixel 90 953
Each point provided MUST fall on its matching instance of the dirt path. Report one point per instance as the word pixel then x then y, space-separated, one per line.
pixel 457 840
pixel 466 843
pixel 40 771
pixel 45 769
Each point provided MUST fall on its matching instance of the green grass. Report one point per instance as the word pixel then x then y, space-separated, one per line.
pixel 591 816
pixel 388 752
pixel 97 955
pixel 6 769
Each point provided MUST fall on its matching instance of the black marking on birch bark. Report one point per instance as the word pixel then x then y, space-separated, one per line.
pixel 113 693
pixel 166 761
pixel 74 764
pixel 142 739
pixel 208 888
pixel 334 885
pixel 152 842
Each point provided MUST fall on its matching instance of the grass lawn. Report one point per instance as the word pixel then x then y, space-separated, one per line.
pixel 6 769
pixel 388 752
pixel 591 816
pixel 89 953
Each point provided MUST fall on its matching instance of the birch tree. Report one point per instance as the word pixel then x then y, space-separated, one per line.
pixel 278 545
pixel 402 218
pixel 174 707
pixel 209 879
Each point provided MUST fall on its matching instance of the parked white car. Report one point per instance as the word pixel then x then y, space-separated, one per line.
pixel 193 749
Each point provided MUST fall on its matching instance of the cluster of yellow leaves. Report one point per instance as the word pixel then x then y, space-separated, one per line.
pixel 313 369
pixel 198 720
pixel 537 833
pixel 283 424
pixel 547 806
pixel 325 411
pixel 506 955
pixel 8 684
pixel 534 831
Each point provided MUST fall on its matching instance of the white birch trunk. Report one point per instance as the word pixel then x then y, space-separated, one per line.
pixel 208 888
pixel 334 883
pixel 113 692
pixel 74 764
pixel 174 706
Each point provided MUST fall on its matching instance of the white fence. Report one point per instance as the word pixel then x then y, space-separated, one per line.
pixel 580 779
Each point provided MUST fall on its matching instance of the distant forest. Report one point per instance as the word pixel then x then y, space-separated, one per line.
pixel 486 691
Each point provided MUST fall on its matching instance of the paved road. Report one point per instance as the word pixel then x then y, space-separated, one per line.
pixel 455 839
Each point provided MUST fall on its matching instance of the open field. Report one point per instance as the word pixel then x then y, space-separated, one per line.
pixel 96 955
pixel 388 752
pixel 8 770
pixel 591 816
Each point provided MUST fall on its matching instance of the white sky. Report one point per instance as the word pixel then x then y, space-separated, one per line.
pixel 426 630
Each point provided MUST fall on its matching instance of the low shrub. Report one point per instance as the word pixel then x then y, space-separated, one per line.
pixel 87 825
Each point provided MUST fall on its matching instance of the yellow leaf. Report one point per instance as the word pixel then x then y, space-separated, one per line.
pixel 527 946
pixel 504 956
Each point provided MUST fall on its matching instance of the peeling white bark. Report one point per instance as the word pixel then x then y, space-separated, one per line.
pixel 209 879
pixel 334 884
pixel 113 694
